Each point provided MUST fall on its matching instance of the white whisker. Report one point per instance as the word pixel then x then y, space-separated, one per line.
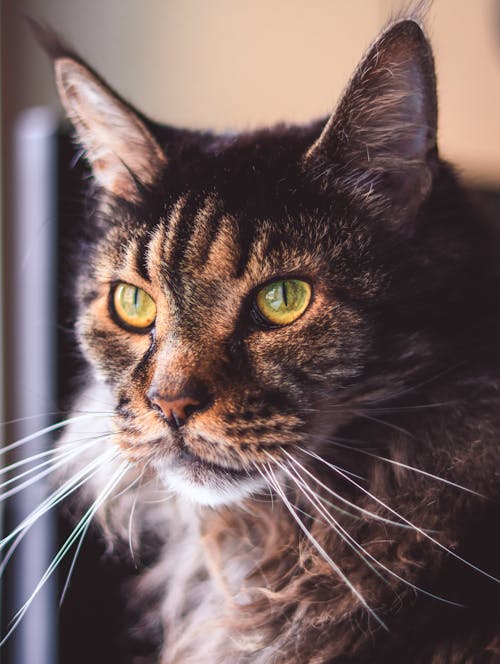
pixel 131 517
pixel 56 463
pixel 345 535
pixel 58 453
pixel 128 487
pixel 421 531
pixel 338 496
pixel 11 550
pixel 80 528
pixel 314 499
pixel 22 462
pixel 52 413
pixel 271 477
pixel 57 496
pixel 390 425
pixel 400 464
pixel 73 562
pixel 49 429
pixel 62 492
pixel 79 546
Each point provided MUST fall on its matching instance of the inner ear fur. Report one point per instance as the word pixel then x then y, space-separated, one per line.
pixel 120 149
pixel 381 140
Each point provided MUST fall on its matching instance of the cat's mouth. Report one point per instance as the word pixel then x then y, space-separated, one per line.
pixel 188 459
pixel 206 482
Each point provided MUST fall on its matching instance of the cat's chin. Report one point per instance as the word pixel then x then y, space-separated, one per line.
pixel 205 485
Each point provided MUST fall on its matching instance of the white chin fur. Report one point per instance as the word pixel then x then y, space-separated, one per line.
pixel 212 493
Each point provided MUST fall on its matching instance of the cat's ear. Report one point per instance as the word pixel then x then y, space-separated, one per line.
pixel 120 149
pixel 381 141
pixel 122 152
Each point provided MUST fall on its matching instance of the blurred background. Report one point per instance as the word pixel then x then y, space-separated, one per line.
pixel 221 64
pixel 229 64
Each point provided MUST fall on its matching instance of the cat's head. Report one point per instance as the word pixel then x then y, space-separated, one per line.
pixel 244 293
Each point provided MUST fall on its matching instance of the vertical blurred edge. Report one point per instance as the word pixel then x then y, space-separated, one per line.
pixel 30 290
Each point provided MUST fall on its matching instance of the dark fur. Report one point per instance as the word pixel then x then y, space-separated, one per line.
pixel 397 355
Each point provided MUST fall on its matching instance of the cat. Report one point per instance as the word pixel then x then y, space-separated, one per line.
pixel 292 340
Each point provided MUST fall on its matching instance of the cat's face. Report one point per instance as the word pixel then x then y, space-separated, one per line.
pixel 242 385
pixel 196 235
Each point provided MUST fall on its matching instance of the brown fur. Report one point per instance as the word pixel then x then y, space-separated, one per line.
pixel 395 357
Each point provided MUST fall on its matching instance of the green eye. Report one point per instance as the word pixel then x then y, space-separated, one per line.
pixel 282 302
pixel 133 306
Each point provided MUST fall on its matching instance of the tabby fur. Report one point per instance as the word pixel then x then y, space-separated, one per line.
pixel 397 356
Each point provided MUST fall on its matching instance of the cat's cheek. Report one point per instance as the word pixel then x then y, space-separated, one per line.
pixel 327 346
pixel 112 351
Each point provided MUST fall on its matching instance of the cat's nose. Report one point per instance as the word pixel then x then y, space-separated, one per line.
pixel 177 408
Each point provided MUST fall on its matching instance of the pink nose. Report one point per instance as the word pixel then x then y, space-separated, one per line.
pixel 175 410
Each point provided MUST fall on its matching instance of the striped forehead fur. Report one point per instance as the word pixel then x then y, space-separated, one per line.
pixel 328 474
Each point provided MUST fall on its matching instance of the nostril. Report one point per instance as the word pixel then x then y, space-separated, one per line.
pixel 156 406
pixel 190 408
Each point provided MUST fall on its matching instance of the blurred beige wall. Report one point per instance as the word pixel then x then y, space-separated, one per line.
pixel 230 64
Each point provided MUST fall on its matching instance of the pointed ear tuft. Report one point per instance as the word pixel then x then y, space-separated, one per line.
pixel 120 148
pixel 381 140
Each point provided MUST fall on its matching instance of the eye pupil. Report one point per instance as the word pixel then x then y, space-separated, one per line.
pixel 284 293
